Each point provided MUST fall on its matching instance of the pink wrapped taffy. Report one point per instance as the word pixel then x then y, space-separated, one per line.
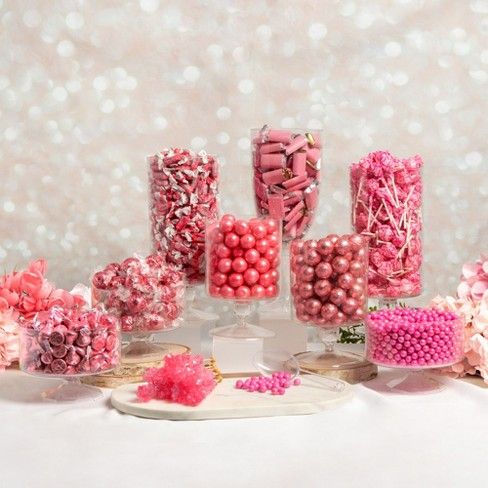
pixel 386 207
pixel 183 189
pixel 328 280
pixel 286 177
pixel 145 293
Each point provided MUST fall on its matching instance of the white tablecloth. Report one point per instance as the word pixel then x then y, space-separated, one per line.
pixel 375 440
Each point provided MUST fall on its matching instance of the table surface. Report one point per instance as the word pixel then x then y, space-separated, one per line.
pixel 374 440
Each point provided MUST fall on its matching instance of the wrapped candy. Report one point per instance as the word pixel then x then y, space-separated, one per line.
pixel 183 189
pixel 64 341
pixel 145 293
pixel 329 279
pixel 386 207
pixel 286 177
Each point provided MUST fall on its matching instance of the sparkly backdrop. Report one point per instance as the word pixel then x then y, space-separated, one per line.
pixel 87 89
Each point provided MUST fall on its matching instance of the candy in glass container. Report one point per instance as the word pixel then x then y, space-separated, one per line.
pixel 329 290
pixel 69 344
pixel 414 339
pixel 243 258
pixel 147 295
pixel 286 179
pixel 183 195
pixel 386 196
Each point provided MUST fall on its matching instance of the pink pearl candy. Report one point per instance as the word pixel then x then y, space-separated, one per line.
pixel 276 384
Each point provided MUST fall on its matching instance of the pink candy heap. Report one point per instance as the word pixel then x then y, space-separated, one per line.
pixel 386 206
pixel 243 258
pixel 182 196
pixel 276 384
pixel 182 379
pixel 145 293
pixel 474 280
pixel 329 280
pixel 69 342
pixel 414 337
pixel 286 177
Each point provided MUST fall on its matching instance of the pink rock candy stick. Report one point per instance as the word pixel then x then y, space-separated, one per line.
pixel 414 337
pixel 386 207
pixel 287 173
pixel 182 196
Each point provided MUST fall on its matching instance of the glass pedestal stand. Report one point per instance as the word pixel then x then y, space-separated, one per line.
pixel 242 329
pixel 71 390
pixel 192 313
pixel 144 347
pixel 341 364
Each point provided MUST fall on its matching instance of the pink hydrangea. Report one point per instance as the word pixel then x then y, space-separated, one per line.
pixel 182 379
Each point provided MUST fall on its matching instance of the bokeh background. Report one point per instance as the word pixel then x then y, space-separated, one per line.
pixel 87 89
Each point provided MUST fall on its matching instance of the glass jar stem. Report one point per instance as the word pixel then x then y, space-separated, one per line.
pixel 329 339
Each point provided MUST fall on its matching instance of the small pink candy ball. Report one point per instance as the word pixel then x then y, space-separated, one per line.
pixel 346 281
pixel 258 291
pixel 251 276
pixel 271 226
pixel 273 240
pixel 238 252
pixel 306 273
pixel 333 238
pixel 271 254
pixel 356 291
pixel 274 275
pixel 271 291
pixel 297 262
pixel 262 245
pixel 349 305
pixel 252 256
pixel 239 265
pixel 243 292
pixel 258 229
pixel 224 265
pixel 325 246
pixel 226 291
pixel 342 246
pixel 312 257
pixel 218 278
pixel 337 296
pixel 265 279
pixel 222 251
pixel 305 290
pixel 356 268
pixel 313 306
pixel 340 264
pixel 328 311
pixel 241 227
pixel 356 242
pixel 322 288
pixel 247 241
pixel 227 223
pixel 231 240
pixel 296 247
pixel 235 280
pixel 310 245
pixel 262 265
pixel 323 270
pixel 340 318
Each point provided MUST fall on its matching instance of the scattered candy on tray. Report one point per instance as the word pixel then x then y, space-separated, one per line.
pixel 69 342
pixel 243 258
pixel 329 280
pixel 414 337
pixel 182 196
pixel 276 384
pixel 386 207
pixel 286 177
pixel 147 294
pixel 183 379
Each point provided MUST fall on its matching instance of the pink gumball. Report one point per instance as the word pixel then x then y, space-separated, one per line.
pixel 219 279
pixel 247 241
pixel 323 270
pixel 231 240
pixel 241 227
pixel 339 319
pixel 325 246
pixel 258 291
pixel 313 306
pixel 258 229
pixel 214 291
pixel 304 317
pixel 296 262
pixel 342 246
pixel 328 311
pixel 265 280
pixel 356 242
pixel 346 281
pixel 306 273
pixel 333 238
pixel 226 291
pixel 219 237
pixel 262 265
pixel 274 275
pixel 273 240
pixel 356 291
pixel 239 265
pixel 296 247
pixel 310 245
pixel 271 291
pixel 251 276
pixel 340 264
pixel 356 268
pixel 222 251
pixel 305 290
pixel 271 254
pixel 227 223
pixel 224 265
pixel 252 256
pixel 235 280
pixel 237 252
pixel 349 305
pixel 243 292
pixel 262 245
pixel 271 226
pixel 312 257
pixel 322 288
pixel 337 296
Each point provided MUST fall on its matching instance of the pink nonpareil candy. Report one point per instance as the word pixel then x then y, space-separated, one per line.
pixel 276 384
pixel 287 164
pixel 386 207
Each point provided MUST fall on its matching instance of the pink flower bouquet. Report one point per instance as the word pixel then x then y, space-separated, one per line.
pixel 22 295
pixel 471 304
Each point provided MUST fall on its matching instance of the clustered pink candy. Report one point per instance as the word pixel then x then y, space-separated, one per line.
pixel 474 280
pixel 276 384
pixel 414 337
pixel 182 379
pixel 286 177
pixel 182 196
pixel 69 342
pixel 386 206
pixel 145 293
pixel 243 258
pixel 329 280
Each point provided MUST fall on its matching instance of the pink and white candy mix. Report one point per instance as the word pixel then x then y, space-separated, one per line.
pixel 286 177
pixel 413 337
pixel 146 294
pixel 182 197
pixel 329 280
pixel 183 378
pixel 69 342
pixel 474 279
pixel 386 206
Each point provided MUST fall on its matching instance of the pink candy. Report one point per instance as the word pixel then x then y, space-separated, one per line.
pixel 329 280
pixel 145 293
pixel 286 177
pixel 474 280
pixel 182 196
pixel 243 258
pixel 182 379
pixel 386 207
pixel 69 342
pixel 414 337
pixel 276 384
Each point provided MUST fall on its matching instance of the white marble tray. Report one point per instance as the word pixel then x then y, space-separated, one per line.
pixel 226 402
